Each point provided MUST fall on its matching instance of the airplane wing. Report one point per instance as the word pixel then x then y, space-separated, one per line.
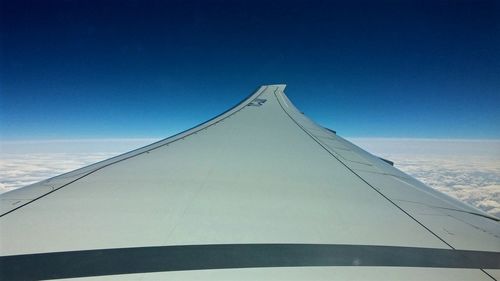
pixel 260 192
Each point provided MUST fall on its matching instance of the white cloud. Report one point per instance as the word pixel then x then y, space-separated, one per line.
pixel 468 170
pixel 17 170
pixel 26 162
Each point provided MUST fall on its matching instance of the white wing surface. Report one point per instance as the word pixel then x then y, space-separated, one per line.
pixel 260 192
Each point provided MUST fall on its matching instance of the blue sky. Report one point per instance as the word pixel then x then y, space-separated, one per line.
pixel 124 69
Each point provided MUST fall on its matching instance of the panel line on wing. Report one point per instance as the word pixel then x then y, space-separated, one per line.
pixel 357 175
pixel 146 149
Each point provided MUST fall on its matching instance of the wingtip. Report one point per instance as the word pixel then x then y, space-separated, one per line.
pixel 280 86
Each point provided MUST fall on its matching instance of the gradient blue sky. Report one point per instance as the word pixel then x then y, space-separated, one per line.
pixel 91 69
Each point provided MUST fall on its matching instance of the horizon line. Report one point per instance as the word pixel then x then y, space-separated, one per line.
pixel 118 139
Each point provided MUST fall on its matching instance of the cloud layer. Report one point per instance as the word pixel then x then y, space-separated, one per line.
pixel 27 162
pixel 468 170
pixel 17 170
